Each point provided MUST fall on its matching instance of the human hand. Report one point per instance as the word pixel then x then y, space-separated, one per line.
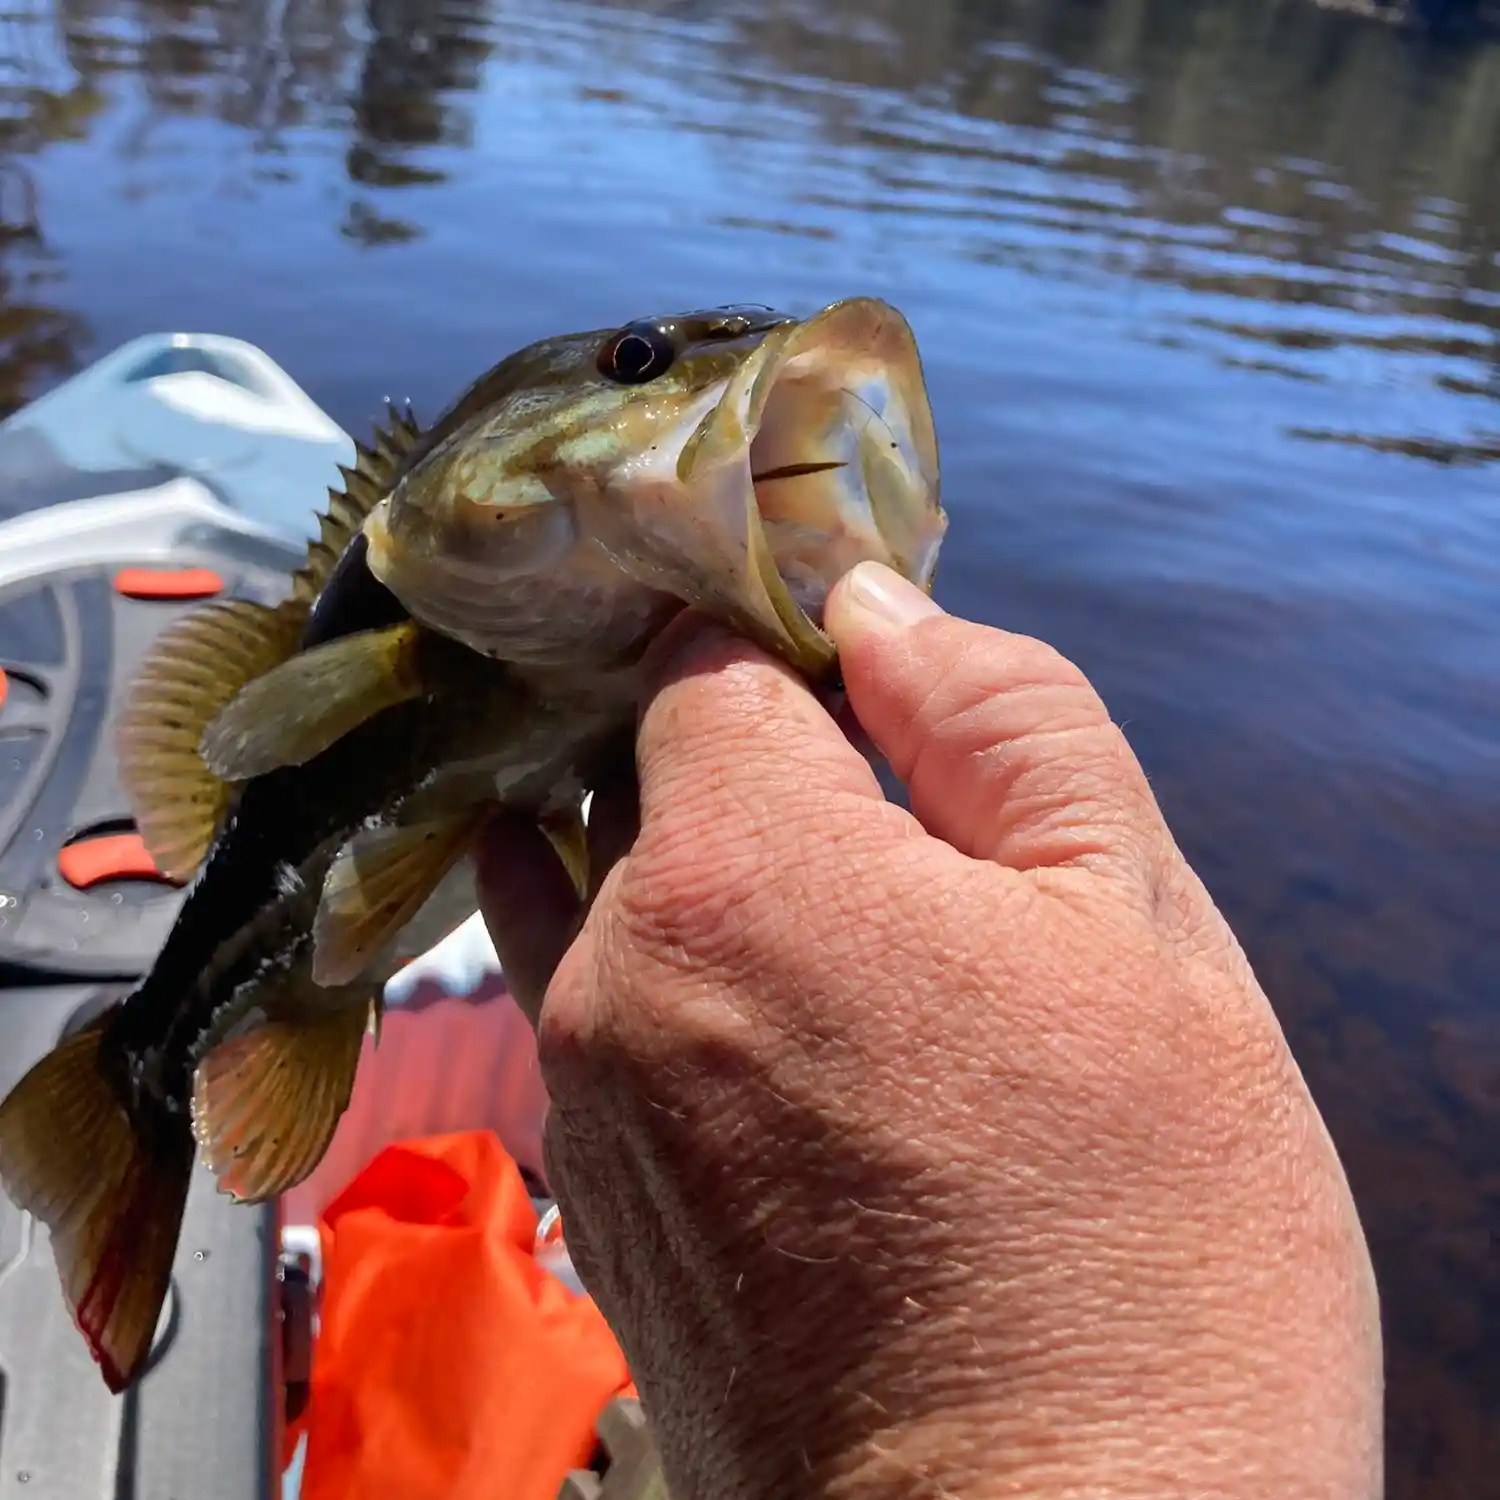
pixel 953 1153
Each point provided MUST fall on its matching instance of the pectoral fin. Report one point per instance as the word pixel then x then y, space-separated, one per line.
pixel 194 668
pixel 380 881
pixel 303 706
pixel 266 1104
pixel 567 834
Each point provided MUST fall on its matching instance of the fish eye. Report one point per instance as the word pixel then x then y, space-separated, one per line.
pixel 637 353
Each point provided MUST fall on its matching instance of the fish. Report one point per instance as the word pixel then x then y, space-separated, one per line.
pixel 467 630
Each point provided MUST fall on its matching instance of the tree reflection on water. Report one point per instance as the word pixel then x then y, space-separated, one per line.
pixel 389 75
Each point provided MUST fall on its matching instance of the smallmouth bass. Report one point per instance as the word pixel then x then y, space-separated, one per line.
pixel 467 630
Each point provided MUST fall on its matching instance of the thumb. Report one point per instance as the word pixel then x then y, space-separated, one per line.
pixel 734 747
pixel 1005 748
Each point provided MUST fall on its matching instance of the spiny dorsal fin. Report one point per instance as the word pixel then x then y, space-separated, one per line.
pixel 381 879
pixel 371 476
pixel 193 670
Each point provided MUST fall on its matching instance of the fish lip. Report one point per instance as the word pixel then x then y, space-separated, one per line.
pixel 846 350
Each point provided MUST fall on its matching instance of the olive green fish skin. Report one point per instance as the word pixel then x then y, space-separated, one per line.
pixel 546 417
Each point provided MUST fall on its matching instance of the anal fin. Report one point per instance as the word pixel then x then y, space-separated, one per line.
pixel 380 881
pixel 266 1104
pixel 193 669
pixel 301 707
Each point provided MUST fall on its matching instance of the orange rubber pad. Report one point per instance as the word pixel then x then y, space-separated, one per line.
pixel 3 687
pixel 115 856
pixel 168 583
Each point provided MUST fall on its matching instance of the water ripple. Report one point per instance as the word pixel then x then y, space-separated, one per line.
pixel 1209 299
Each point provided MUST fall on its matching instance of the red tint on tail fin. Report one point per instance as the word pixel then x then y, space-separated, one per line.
pixel 111 1193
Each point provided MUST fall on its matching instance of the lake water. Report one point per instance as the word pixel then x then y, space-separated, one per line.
pixel 1209 294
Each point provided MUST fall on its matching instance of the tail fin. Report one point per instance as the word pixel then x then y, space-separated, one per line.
pixel 111 1192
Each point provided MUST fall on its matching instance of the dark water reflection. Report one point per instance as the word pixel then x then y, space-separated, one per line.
pixel 1210 294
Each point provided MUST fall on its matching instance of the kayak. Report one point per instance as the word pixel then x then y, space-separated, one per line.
pixel 177 469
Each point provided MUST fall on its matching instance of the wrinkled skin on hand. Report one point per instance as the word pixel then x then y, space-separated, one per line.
pixel 951 1153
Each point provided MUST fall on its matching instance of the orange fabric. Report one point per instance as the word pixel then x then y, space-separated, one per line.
pixel 444 1063
pixel 448 1363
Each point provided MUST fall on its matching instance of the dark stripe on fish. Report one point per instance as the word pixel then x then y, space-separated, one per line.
pixel 352 600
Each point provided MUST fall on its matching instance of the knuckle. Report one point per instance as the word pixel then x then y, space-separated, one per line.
pixel 683 902
pixel 743 812
pixel 728 898
pixel 1101 771
pixel 1009 696
pixel 1032 662
pixel 1026 745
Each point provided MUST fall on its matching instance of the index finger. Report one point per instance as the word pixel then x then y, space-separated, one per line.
pixel 732 739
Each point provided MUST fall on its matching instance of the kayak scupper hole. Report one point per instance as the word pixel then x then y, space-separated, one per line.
pixel 29 682
pixel 101 828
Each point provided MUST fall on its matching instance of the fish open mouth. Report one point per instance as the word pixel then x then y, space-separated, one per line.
pixel 842 459
pixel 795 471
pixel 747 495
pixel 818 454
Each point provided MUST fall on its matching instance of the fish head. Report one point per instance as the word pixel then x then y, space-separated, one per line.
pixel 737 460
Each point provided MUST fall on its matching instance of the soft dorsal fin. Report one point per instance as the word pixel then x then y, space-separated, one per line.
pixel 194 669
pixel 365 483
pixel 199 664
